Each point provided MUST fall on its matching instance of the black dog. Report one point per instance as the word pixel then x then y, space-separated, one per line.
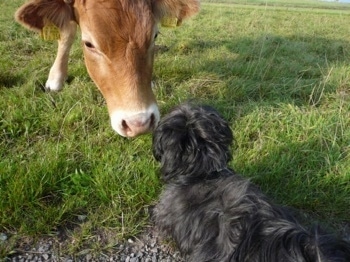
pixel 214 214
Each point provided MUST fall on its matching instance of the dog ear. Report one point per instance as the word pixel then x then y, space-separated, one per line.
pixel 168 140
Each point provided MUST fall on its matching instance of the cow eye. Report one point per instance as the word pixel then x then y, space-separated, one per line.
pixel 156 35
pixel 88 44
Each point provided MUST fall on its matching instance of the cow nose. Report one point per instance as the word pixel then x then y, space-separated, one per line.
pixel 138 124
pixel 134 123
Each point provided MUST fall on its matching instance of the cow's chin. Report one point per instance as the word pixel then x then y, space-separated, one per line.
pixel 135 123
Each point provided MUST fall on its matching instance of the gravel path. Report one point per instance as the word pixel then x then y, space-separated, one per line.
pixel 146 248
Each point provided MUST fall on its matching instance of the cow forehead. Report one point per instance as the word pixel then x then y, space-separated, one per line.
pixel 124 19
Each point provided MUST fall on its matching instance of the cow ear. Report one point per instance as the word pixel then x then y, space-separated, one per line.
pixel 35 14
pixel 174 11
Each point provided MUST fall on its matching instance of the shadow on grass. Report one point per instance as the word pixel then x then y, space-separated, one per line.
pixel 40 84
pixel 271 68
pixel 9 80
pixel 306 175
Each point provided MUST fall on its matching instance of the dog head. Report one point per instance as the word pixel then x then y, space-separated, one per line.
pixel 191 143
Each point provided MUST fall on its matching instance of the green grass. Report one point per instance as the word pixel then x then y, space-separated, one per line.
pixel 281 76
pixel 318 4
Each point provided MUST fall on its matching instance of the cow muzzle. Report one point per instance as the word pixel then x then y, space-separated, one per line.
pixel 132 124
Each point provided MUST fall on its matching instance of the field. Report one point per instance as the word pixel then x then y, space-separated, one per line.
pixel 280 73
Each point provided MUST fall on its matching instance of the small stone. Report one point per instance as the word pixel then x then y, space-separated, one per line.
pixel 153 243
pixel 3 237
pixel 82 218
pixel 43 248
pixel 154 250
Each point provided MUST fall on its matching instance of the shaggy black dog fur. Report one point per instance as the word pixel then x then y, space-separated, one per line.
pixel 212 213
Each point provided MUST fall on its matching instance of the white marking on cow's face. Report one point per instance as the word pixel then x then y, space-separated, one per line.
pixel 133 123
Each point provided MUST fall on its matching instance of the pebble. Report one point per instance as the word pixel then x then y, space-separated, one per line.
pixel 3 237
pixel 145 248
pixel 130 241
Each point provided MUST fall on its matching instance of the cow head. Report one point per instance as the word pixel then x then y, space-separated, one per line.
pixel 118 43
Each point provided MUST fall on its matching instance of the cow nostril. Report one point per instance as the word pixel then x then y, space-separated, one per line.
pixel 125 125
pixel 138 124
pixel 152 120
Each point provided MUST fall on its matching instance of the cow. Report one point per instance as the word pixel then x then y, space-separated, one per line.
pixel 118 39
